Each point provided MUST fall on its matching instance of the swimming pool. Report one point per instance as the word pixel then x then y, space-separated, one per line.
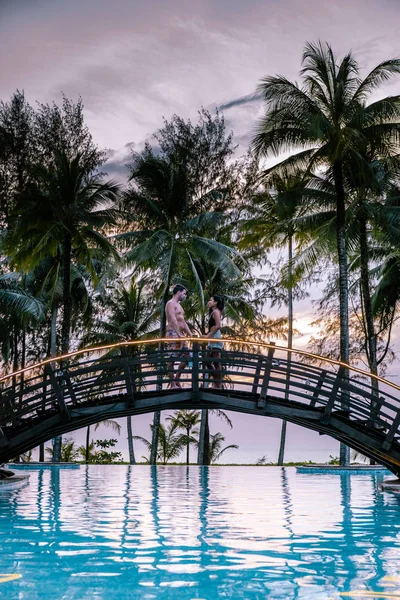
pixel 116 532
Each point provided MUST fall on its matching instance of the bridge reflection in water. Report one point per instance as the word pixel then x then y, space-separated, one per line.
pixel 66 393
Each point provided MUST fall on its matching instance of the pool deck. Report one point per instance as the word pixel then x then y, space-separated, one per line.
pixel 44 465
pixel 13 480
pixel 355 468
pixel 390 485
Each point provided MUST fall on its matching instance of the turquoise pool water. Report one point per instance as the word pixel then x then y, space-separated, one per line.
pixel 115 532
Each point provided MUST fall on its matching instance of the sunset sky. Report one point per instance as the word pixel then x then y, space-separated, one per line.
pixel 135 62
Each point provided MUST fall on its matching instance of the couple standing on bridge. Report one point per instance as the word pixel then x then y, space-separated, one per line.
pixel 177 328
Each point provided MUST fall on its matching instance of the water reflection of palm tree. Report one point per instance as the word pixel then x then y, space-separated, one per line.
pixel 125 523
pixel 204 482
pixel 287 502
pixel 353 536
pixel 373 537
pixel 55 497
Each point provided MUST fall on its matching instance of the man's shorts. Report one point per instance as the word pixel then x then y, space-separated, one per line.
pixel 178 349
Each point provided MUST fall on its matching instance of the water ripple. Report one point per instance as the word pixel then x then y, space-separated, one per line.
pixel 197 533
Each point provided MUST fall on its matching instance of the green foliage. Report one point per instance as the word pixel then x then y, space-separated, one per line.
pixel 178 198
pixel 170 442
pixel 104 456
pixel 215 447
pixel 69 453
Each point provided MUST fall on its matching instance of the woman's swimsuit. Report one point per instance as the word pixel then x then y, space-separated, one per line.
pixel 214 345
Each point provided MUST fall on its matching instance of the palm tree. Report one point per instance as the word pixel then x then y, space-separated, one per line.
pixel 186 420
pixel 170 442
pixel 18 305
pixel 68 451
pixel 115 426
pixel 371 231
pixel 274 224
pixel 67 207
pixel 63 213
pixel 130 314
pixel 330 121
pixel 83 451
pixel 204 436
pixel 215 450
pixel 47 283
pixel 174 238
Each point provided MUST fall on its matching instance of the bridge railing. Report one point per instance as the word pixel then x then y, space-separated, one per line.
pixel 263 372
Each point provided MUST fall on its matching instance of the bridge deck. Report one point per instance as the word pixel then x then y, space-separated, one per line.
pixel 61 395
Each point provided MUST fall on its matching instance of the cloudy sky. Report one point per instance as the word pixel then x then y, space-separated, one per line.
pixel 134 62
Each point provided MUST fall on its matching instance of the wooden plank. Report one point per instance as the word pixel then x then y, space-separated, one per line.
pixel 256 380
pixel 70 387
pixel 129 382
pixel 3 438
pixel 266 377
pixel 318 388
pixel 202 441
pixel 195 372
pixel 326 415
pixel 392 432
pixel 57 390
pixel 374 419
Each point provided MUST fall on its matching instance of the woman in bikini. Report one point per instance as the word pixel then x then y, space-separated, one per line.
pixel 215 306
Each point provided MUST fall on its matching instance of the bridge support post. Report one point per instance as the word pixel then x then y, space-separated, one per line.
pixel 154 437
pixel 157 413
pixel 203 456
pixel 3 438
pixel 266 378
pixel 195 372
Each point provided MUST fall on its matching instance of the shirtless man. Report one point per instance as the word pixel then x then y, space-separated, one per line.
pixel 177 328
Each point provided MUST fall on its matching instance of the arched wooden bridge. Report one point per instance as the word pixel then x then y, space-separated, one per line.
pixel 66 393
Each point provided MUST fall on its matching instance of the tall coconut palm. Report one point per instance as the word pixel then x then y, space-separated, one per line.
pixel 204 443
pixel 275 224
pixel 170 442
pixel 372 227
pixel 129 312
pixel 65 207
pixel 329 125
pixel 170 236
pixel 16 303
pixel 115 426
pixel 215 450
pixel 186 420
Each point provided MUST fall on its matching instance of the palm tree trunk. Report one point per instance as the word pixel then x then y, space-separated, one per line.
pixel 52 352
pixel 87 444
pixel 290 343
pixel 57 441
pixel 66 324
pixel 53 330
pixel 23 360
pixel 368 315
pixel 343 288
pixel 154 438
pixel 163 321
pixel 187 445
pixel 132 460
pixel 15 358
pixel 157 414
pixel 203 456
